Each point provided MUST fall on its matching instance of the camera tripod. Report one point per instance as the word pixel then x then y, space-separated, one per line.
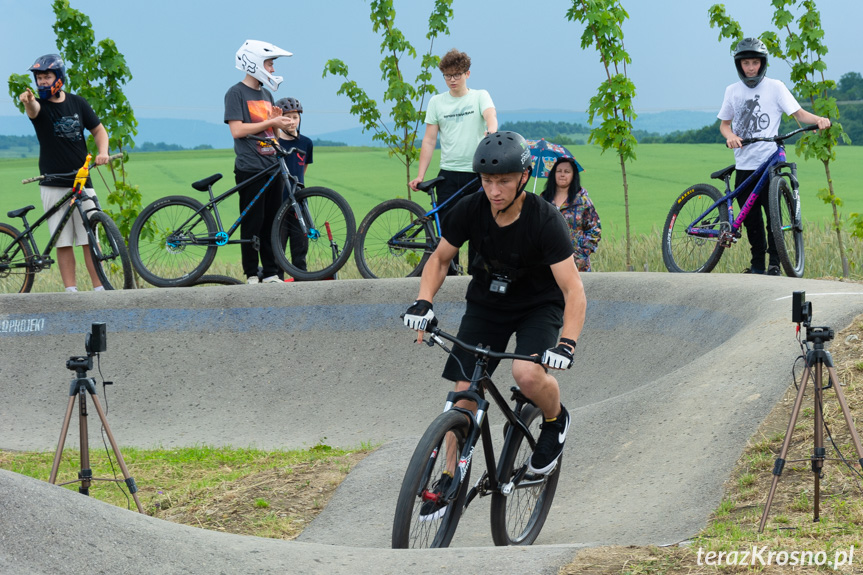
pixel 79 387
pixel 816 359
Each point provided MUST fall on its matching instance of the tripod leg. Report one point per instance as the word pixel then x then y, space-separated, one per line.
pixel 62 442
pixel 840 395
pixel 130 481
pixel 86 473
pixel 780 461
pixel 818 452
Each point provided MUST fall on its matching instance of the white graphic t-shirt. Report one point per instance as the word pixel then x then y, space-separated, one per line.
pixel 756 113
pixel 460 126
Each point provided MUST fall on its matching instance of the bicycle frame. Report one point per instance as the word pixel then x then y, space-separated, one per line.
pixel 78 196
pixel 757 183
pixel 479 427
pixel 433 214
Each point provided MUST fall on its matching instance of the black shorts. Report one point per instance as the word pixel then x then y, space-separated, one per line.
pixel 535 330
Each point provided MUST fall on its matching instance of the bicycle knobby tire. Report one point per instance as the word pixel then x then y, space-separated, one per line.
pixel 786 227
pixel 15 274
pixel 383 250
pixel 424 469
pixel 517 518
pixel 171 241
pixel 683 252
pixel 330 238
pixel 110 256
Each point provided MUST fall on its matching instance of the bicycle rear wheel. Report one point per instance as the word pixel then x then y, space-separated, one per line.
pixel 15 274
pixel 786 226
pixel 392 242
pixel 425 468
pixel 216 280
pixel 684 252
pixel 517 518
pixel 329 240
pixel 110 256
pixel 171 243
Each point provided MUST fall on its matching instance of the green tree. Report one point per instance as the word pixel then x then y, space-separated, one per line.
pixel 407 99
pixel 603 20
pixel 803 51
pixel 97 72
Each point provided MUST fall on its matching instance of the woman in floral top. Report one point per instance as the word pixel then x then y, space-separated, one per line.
pixel 564 190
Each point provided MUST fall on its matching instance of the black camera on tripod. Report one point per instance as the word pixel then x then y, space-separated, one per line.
pixel 95 342
pixel 801 313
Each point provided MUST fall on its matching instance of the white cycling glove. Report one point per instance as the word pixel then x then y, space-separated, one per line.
pixel 420 315
pixel 559 357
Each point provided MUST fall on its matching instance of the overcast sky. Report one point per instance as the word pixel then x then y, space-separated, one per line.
pixel 526 54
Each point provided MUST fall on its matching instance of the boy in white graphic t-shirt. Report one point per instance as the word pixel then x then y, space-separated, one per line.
pixel 753 108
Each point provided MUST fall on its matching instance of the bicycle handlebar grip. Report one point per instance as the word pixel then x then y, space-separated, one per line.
pixel 31 180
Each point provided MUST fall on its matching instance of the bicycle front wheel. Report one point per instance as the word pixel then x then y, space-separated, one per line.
pixel 413 526
pixel 786 226
pixel 16 275
pixel 110 256
pixel 327 245
pixel 393 242
pixel 689 252
pixel 216 280
pixel 171 242
pixel 517 518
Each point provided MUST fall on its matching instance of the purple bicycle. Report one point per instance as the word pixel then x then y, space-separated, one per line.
pixel 701 223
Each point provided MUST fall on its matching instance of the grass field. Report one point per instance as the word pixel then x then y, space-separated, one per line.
pixel 368 176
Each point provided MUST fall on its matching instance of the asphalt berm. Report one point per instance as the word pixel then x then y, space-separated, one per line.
pixel 673 374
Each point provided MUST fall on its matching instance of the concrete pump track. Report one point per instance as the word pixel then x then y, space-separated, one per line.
pixel 673 374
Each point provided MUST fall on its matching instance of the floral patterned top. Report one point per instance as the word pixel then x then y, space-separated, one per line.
pixel 584 228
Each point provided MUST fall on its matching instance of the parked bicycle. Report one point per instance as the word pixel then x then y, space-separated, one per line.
pixel 701 223
pixel 20 256
pixel 429 507
pixel 396 237
pixel 174 240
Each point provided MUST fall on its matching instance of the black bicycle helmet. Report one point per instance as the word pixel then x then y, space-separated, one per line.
pixel 289 105
pixel 50 63
pixel 750 48
pixel 501 153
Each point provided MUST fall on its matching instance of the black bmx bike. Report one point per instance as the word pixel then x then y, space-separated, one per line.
pixel 174 240
pixel 436 487
pixel 20 256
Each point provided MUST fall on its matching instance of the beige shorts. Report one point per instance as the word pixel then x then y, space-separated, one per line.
pixel 74 233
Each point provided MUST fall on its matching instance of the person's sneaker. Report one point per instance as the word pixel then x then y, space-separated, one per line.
pixel 435 508
pixel 773 271
pixel 253 280
pixel 752 271
pixel 272 280
pixel 549 446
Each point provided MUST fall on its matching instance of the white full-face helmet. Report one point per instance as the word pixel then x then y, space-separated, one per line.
pixel 250 59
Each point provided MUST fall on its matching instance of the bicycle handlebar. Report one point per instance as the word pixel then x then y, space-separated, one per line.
pixel 43 176
pixel 437 333
pixel 275 144
pixel 777 139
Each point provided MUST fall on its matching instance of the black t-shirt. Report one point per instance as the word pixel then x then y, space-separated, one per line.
pixel 250 107
pixel 522 252
pixel 298 161
pixel 62 143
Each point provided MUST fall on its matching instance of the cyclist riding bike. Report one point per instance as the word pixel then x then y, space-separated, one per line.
pixel 753 108
pixel 524 282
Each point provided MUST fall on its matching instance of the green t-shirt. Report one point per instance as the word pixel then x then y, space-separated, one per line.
pixel 460 126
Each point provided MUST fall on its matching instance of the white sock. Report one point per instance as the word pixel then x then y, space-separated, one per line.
pixel 100 288
pixel 72 288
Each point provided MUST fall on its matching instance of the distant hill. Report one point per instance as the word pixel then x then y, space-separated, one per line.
pixel 194 133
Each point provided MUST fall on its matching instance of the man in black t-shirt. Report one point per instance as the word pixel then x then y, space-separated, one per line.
pixel 59 119
pixel 524 282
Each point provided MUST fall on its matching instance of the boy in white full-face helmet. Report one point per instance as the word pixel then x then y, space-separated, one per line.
pixel 249 111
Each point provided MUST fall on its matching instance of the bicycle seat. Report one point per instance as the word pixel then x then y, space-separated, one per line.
pixel 204 185
pixel 722 174
pixel 19 213
pixel 429 184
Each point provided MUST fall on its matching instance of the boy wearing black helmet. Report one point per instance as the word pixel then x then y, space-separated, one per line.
pixel 524 282
pixel 753 107
pixel 59 119
pixel 298 162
